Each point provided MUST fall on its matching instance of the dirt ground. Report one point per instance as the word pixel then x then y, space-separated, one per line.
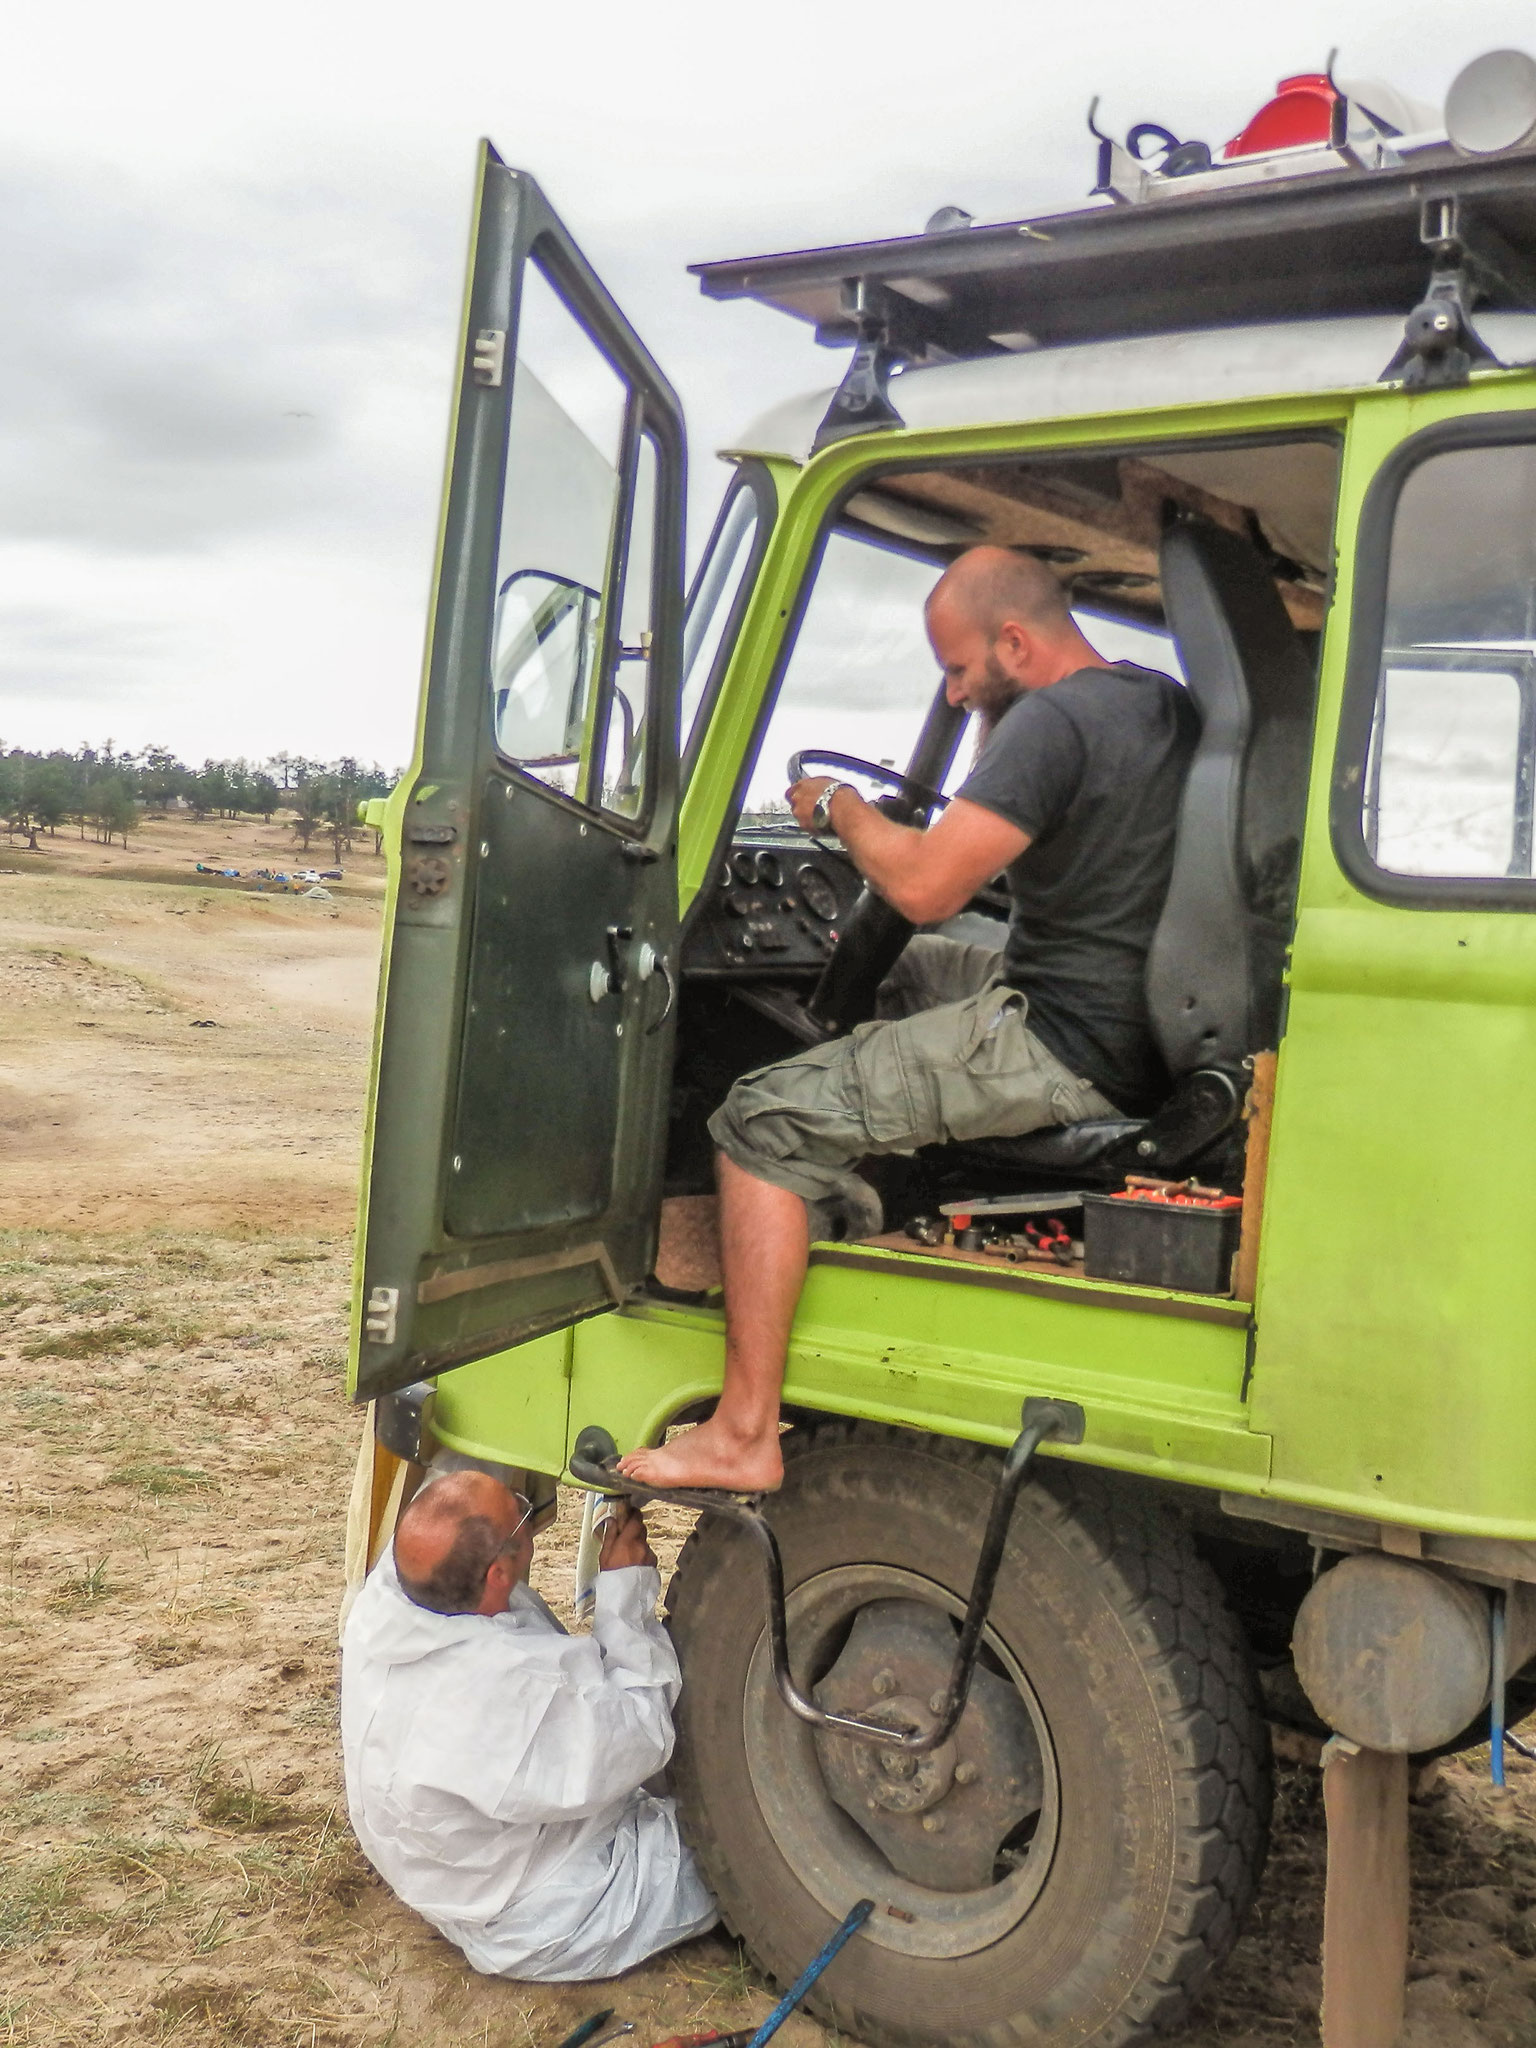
pixel 175 1210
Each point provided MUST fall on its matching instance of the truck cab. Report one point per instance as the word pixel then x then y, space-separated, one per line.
pixel 1275 437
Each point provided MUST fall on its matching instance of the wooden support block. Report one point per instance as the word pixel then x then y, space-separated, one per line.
pixel 1365 1905
pixel 1259 1110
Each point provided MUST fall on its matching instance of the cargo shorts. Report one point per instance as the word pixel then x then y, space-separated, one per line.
pixel 950 1056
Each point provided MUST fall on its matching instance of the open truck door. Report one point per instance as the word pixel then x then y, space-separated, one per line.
pixel 524 1049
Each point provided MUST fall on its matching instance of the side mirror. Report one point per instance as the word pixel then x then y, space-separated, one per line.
pixel 542 659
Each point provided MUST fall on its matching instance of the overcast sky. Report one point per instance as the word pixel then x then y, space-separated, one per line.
pixel 232 243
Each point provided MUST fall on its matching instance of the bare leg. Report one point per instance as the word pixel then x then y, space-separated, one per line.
pixel 764 1242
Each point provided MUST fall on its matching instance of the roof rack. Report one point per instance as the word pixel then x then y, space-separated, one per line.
pixel 1425 243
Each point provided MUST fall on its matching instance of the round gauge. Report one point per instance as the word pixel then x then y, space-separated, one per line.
pixel 817 893
pixel 744 862
pixel 726 876
pixel 770 871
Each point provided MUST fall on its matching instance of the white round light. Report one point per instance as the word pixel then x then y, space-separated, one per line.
pixel 1492 103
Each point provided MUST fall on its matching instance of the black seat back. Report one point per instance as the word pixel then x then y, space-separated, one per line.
pixel 1214 968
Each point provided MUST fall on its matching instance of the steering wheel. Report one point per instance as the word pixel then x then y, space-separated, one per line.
pixel 917 796
pixel 873 935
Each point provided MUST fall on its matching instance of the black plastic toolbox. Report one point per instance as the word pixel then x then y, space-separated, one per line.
pixel 1174 1241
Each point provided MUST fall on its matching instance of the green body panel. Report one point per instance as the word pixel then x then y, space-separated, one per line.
pixel 515 1400
pixel 1397 1291
pixel 1396 1287
pixel 893 1339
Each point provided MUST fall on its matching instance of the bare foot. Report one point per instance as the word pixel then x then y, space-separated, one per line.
pixel 711 1455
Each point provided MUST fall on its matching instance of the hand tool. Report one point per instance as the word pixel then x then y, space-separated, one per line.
pixel 849 1927
pixel 580 2036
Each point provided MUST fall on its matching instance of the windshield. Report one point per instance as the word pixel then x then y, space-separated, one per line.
pixel 861 675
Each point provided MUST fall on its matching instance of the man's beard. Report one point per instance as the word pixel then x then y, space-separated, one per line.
pixel 1002 693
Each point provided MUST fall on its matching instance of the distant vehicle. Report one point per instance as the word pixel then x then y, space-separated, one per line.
pixel 331 874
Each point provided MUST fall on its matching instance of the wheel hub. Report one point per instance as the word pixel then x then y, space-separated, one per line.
pixel 942 1819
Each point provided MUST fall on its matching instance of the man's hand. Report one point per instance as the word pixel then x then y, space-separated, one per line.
pixel 802 798
pixel 624 1540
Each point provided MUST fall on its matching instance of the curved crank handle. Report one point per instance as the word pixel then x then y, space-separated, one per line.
pixel 650 963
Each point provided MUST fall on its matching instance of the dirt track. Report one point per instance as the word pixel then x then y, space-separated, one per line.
pixel 174 1860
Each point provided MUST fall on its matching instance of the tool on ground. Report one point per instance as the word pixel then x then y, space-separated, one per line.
pixel 594 1464
pixel 581 2037
pixel 848 1927
pixel 1012 1205
pixel 737 2040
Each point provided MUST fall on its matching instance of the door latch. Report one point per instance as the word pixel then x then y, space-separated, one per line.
pixel 608 978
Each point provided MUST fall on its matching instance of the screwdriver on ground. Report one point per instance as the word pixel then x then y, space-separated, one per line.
pixel 755 2037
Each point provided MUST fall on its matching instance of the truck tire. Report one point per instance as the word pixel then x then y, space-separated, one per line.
pixel 1151 1833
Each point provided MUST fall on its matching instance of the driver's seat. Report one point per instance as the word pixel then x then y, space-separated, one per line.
pixel 1215 964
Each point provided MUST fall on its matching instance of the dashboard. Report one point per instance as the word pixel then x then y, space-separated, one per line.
pixel 775 905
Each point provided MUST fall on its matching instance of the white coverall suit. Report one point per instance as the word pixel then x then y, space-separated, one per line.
pixel 494 1768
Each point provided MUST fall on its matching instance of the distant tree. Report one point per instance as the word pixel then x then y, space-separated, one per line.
pixel 113 810
pixel 306 803
pixel 48 792
pixel 265 797
pixel 161 777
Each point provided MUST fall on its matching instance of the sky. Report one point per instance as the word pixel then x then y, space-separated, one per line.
pixel 232 244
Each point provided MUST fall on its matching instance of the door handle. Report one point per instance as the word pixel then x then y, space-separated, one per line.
pixel 649 962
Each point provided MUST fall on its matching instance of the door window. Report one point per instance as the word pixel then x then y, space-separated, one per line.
pixel 1448 783
pixel 571 651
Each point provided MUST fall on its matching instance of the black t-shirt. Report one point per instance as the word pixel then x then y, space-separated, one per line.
pixel 1092 768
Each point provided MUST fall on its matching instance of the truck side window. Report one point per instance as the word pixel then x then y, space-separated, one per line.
pixel 712 603
pixel 1448 783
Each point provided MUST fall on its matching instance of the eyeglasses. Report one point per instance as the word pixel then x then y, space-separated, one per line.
pixel 506 1548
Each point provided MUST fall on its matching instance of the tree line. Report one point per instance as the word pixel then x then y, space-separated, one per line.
pixel 106 792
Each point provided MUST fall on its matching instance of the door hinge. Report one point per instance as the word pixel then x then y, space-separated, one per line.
pixel 489 359
pixel 381 1315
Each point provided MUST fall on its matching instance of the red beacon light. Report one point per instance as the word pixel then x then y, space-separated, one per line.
pixel 1301 113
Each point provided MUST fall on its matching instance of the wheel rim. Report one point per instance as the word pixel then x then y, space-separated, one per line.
pixel 832 1857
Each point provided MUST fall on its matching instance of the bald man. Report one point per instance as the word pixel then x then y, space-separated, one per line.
pixel 496 1765
pixel 1075 793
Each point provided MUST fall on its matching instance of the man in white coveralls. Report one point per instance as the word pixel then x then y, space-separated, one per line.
pixel 495 1764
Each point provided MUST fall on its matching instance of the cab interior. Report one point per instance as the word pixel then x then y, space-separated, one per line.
pixel 1209 561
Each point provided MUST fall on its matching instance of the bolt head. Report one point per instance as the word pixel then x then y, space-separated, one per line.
pixel 933 1823
pixel 883 1683
pixel 936 1702
pixel 965 1774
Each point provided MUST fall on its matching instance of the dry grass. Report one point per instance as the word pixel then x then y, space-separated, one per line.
pixel 175 1864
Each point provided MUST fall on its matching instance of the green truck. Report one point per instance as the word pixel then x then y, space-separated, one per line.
pixel 1267 416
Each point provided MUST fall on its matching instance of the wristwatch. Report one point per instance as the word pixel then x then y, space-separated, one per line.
pixel 821 814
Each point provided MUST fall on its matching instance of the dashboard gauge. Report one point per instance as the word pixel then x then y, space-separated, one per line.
pixel 770 871
pixel 817 893
pixel 726 876
pixel 744 862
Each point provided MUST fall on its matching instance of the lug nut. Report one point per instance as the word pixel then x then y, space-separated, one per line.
pixel 965 1774
pixel 884 1683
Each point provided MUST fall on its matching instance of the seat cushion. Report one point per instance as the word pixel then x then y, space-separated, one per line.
pixel 1067 1149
